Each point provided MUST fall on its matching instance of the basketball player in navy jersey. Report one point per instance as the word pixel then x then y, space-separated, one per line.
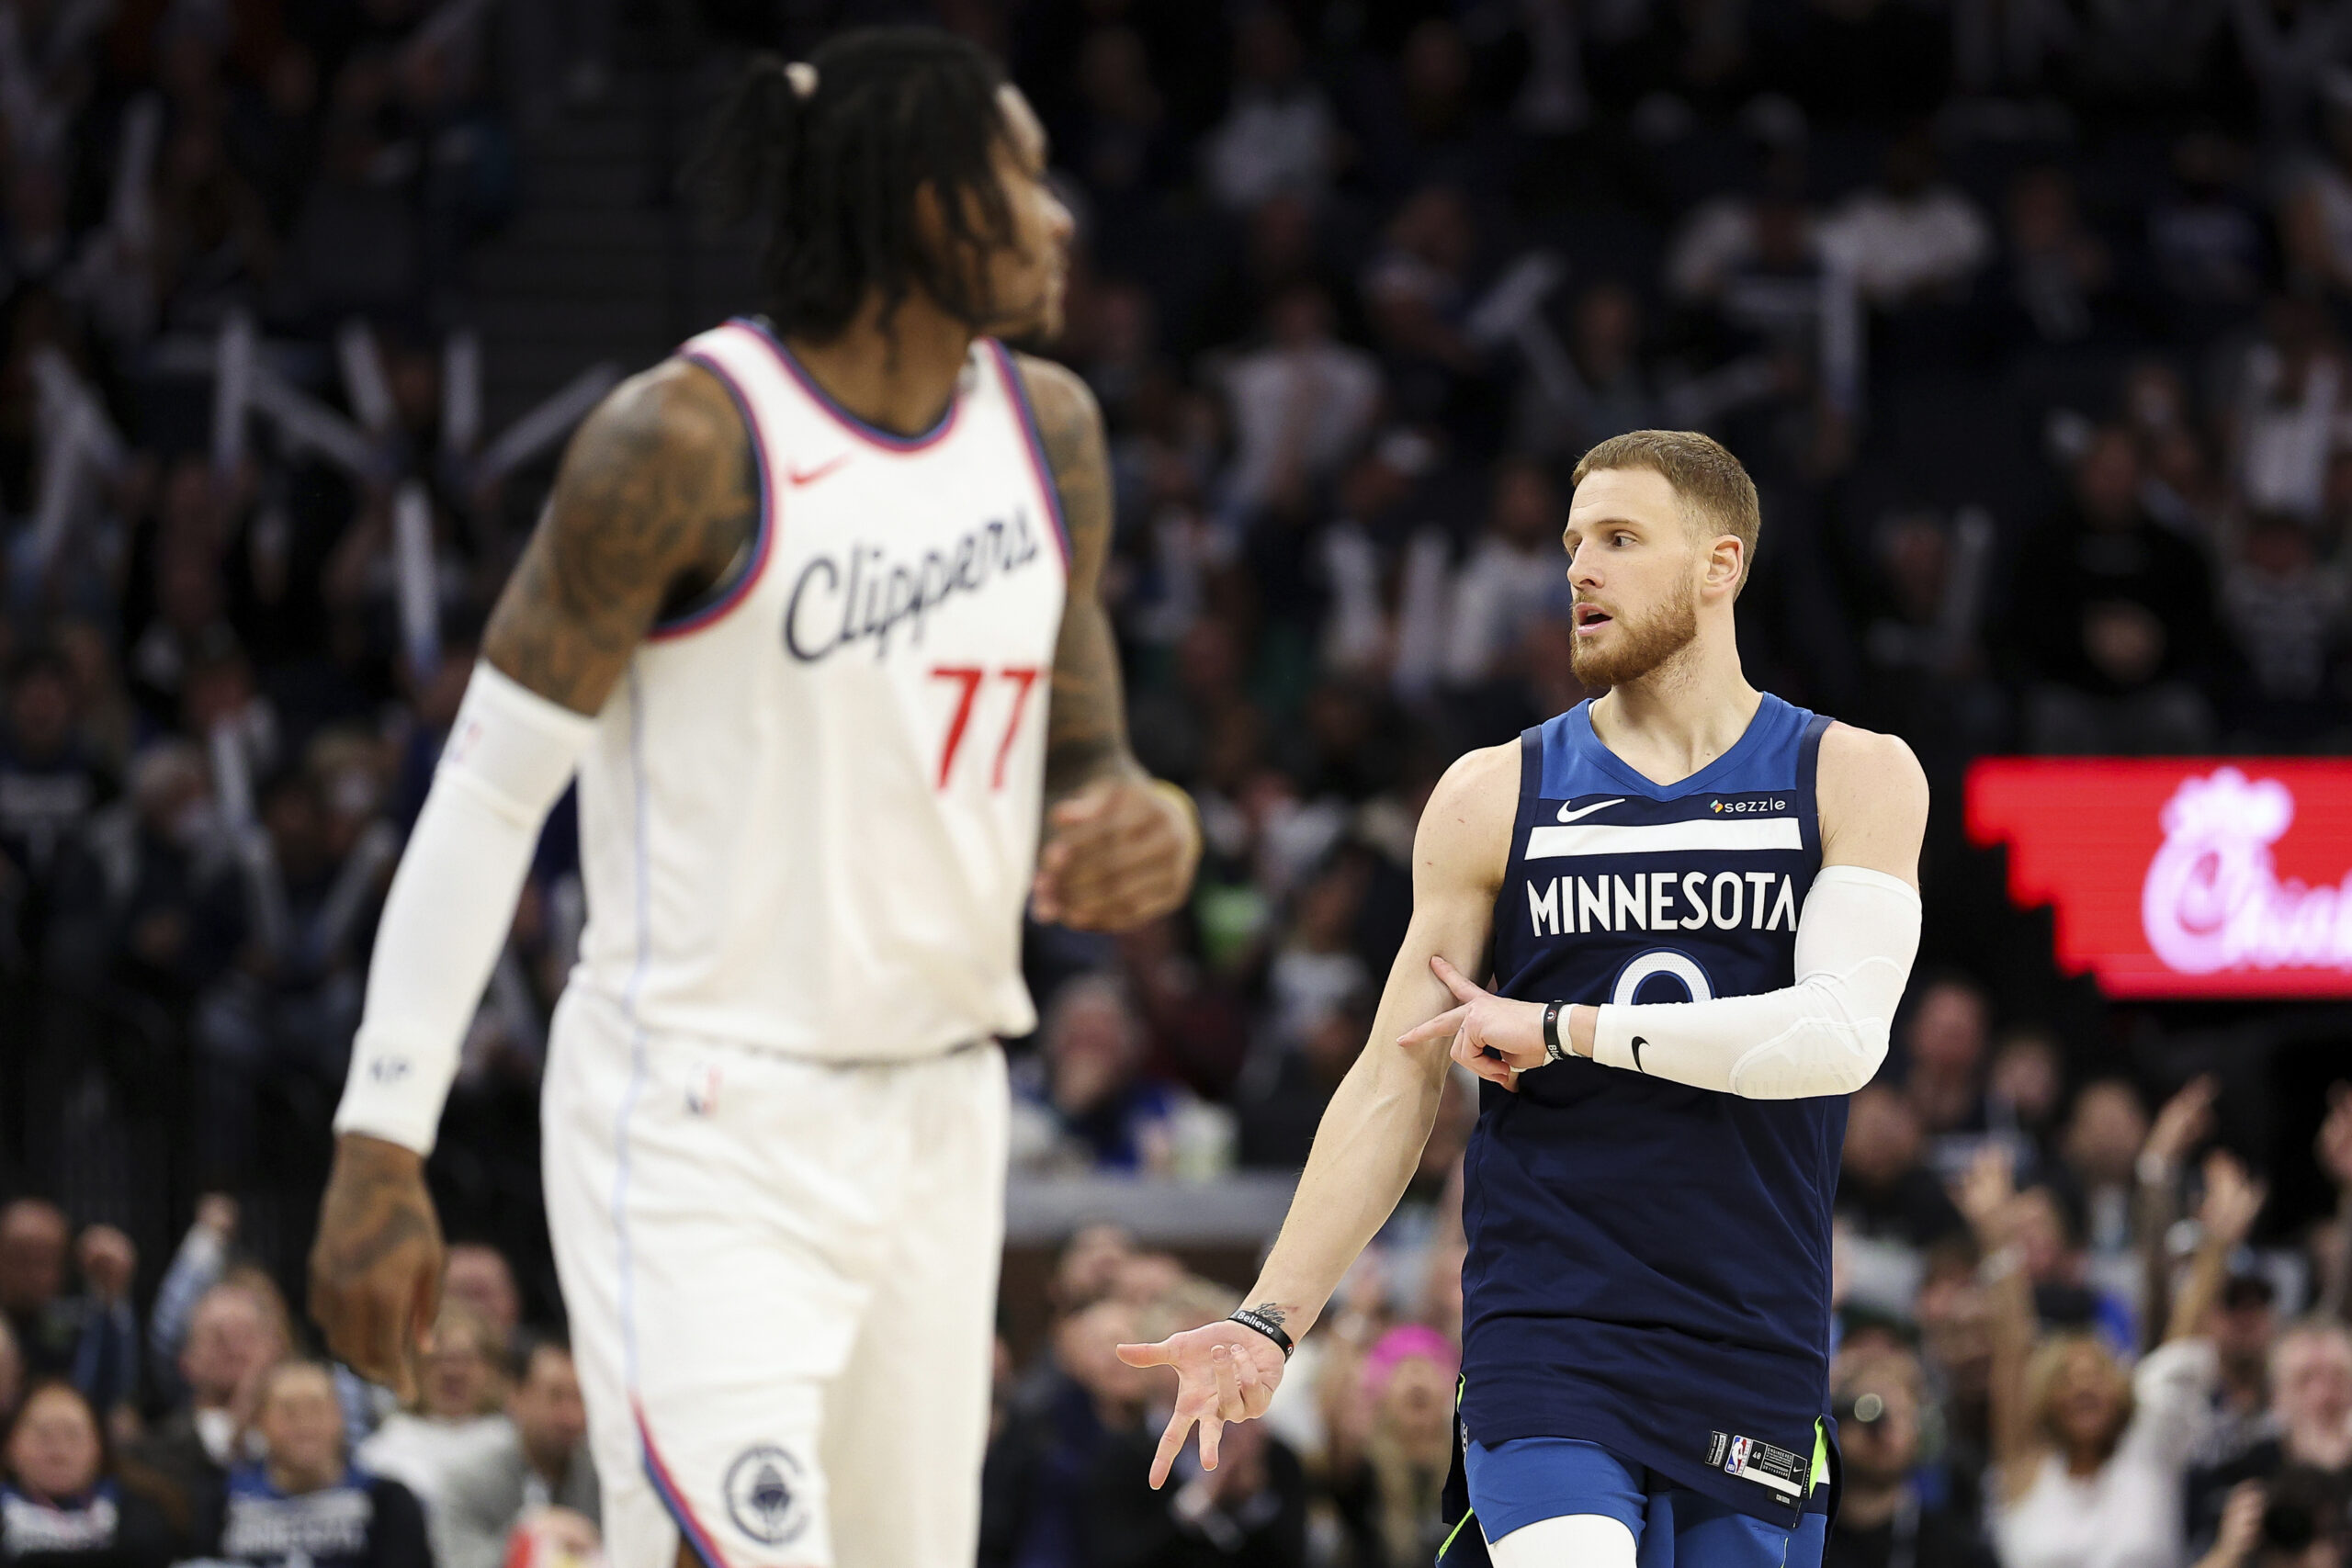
pixel 1695 906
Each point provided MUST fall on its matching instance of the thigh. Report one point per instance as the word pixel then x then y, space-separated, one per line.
pixel 1690 1530
pixel 1570 1540
pixel 906 1431
pixel 715 1239
pixel 1527 1482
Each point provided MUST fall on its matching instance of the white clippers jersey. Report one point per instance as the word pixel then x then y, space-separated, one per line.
pixel 808 821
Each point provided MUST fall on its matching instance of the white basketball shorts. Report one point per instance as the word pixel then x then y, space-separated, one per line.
pixel 781 1279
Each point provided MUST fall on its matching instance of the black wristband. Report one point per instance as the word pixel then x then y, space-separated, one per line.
pixel 1249 1317
pixel 1552 1049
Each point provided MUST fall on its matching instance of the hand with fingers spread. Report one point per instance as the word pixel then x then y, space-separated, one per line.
pixel 1986 1194
pixel 1117 854
pixel 1496 1037
pixel 1225 1372
pixel 376 1267
pixel 2232 1200
pixel 2186 1121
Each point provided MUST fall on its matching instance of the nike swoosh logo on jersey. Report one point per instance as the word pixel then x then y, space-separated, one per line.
pixel 1568 815
pixel 799 477
pixel 1638 1044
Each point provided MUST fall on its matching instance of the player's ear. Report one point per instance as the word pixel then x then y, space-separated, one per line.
pixel 1726 559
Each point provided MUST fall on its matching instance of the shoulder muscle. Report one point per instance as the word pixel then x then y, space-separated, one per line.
pixel 656 490
pixel 1463 841
pixel 1873 799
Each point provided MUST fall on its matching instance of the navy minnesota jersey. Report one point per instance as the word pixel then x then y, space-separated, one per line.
pixel 1649 1263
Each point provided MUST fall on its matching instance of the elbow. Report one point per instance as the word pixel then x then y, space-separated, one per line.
pixel 1850 1072
pixel 1825 1059
pixel 1856 1062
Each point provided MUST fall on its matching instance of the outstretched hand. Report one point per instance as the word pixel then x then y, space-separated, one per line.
pixel 1224 1372
pixel 1496 1037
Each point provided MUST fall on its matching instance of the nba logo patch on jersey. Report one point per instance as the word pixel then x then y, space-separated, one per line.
pixel 702 1089
pixel 1737 1460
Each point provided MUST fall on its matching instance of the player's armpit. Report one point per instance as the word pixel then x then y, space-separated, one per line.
pixel 657 494
pixel 1872 797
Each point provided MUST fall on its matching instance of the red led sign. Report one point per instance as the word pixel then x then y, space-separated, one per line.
pixel 2181 876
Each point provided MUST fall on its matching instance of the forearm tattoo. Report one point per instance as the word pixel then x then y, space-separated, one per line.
pixel 1086 735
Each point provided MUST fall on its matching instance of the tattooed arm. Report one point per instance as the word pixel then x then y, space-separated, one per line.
pixel 656 496
pixel 1120 845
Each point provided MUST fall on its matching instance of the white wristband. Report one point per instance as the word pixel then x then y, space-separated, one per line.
pixel 510 754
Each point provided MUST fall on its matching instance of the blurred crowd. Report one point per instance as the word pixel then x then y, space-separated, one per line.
pixel 210 1433
pixel 2028 317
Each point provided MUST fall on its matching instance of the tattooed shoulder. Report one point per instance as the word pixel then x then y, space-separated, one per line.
pixel 656 495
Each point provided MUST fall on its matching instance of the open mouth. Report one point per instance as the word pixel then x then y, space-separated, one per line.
pixel 1589 619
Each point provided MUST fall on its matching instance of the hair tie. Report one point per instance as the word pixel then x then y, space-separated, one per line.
pixel 803 77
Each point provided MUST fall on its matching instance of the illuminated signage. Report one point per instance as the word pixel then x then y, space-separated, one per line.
pixel 2181 876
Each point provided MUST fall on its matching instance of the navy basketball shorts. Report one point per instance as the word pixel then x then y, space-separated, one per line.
pixel 1554 1502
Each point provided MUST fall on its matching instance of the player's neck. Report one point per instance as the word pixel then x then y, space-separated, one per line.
pixel 901 379
pixel 1683 714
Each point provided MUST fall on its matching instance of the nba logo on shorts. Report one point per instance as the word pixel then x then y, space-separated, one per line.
pixel 1737 1460
pixel 764 1495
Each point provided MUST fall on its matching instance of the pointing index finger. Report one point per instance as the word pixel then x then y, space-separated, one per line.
pixel 1453 979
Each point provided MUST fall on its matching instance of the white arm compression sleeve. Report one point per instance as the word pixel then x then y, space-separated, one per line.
pixel 510 754
pixel 1826 1034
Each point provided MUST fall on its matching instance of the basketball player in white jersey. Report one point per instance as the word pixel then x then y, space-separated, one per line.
pixel 812 614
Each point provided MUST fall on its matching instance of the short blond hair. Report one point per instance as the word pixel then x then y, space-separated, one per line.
pixel 2044 1368
pixel 1715 490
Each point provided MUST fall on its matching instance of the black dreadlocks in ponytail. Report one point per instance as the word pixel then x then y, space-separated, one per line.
pixel 893 110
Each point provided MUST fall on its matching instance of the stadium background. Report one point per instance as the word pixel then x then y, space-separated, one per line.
pixel 2025 314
